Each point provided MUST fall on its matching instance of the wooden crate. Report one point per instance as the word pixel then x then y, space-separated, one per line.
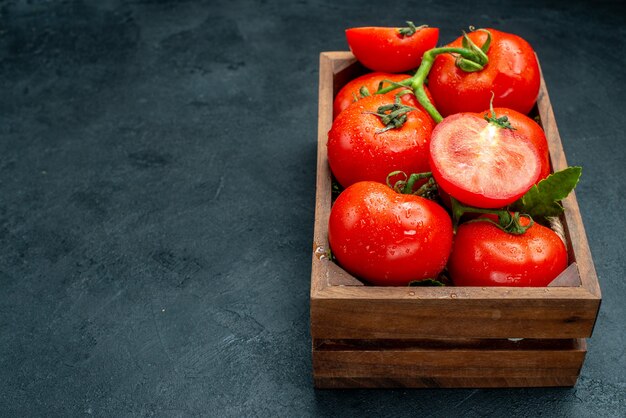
pixel 369 336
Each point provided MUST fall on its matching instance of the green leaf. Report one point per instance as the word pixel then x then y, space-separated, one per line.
pixel 542 199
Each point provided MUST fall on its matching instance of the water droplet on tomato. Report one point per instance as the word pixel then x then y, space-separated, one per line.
pixel 410 232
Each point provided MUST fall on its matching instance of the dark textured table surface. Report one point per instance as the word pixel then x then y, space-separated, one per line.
pixel 157 170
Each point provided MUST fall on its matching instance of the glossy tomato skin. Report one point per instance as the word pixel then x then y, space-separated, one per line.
pixel 387 238
pixel 512 74
pixel 346 96
pixel 384 49
pixel 480 164
pixel 357 152
pixel 484 255
pixel 527 127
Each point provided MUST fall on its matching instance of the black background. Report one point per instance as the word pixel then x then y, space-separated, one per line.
pixel 157 176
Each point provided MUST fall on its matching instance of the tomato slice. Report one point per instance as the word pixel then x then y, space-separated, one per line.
pixel 387 50
pixel 528 127
pixel 480 163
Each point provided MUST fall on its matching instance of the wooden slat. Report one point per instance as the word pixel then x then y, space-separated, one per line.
pixel 448 363
pixel 577 238
pixel 349 314
pixel 443 382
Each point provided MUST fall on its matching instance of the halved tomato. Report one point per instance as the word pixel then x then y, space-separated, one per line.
pixel 391 50
pixel 526 126
pixel 481 163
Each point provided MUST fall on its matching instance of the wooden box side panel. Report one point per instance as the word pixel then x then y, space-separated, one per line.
pixel 575 231
pixel 389 314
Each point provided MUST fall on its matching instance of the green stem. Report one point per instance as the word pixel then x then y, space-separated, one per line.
pixel 507 222
pixel 428 190
pixel 413 178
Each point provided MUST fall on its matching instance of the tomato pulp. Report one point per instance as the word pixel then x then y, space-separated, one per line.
pixel 527 127
pixel 482 164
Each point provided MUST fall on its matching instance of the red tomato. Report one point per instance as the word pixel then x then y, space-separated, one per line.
pixel 387 238
pixel 512 74
pixel 480 163
pixel 358 151
pixel 350 93
pixel 484 255
pixel 385 49
pixel 527 127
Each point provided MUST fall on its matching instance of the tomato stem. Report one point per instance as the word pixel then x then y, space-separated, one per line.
pixel 410 29
pixel 406 185
pixel 508 221
pixel 500 122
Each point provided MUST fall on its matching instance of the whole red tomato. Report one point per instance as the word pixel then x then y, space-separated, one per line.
pixel 481 163
pixel 388 50
pixel 359 150
pixel 530 129
pixel 351 92
pixel 484 255
pixel 387 238
pixel 512 74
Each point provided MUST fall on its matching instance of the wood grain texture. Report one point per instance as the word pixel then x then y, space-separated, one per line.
pixel 448 363
pixel 574 228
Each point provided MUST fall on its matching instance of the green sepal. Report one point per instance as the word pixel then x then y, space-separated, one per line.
pixel 467 65
pixel 542 200
pixel 410 29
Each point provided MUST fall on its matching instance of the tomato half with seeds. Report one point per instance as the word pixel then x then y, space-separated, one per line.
pixel 512 74
pixel 351 92
pixel 361 147
pixel 485 255
pixel 482 163
pixel 527 127
pixel 388 238
pixel 391 50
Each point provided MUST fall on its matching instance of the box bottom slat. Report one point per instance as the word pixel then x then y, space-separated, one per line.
pixel 447 363
pixel 442 382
